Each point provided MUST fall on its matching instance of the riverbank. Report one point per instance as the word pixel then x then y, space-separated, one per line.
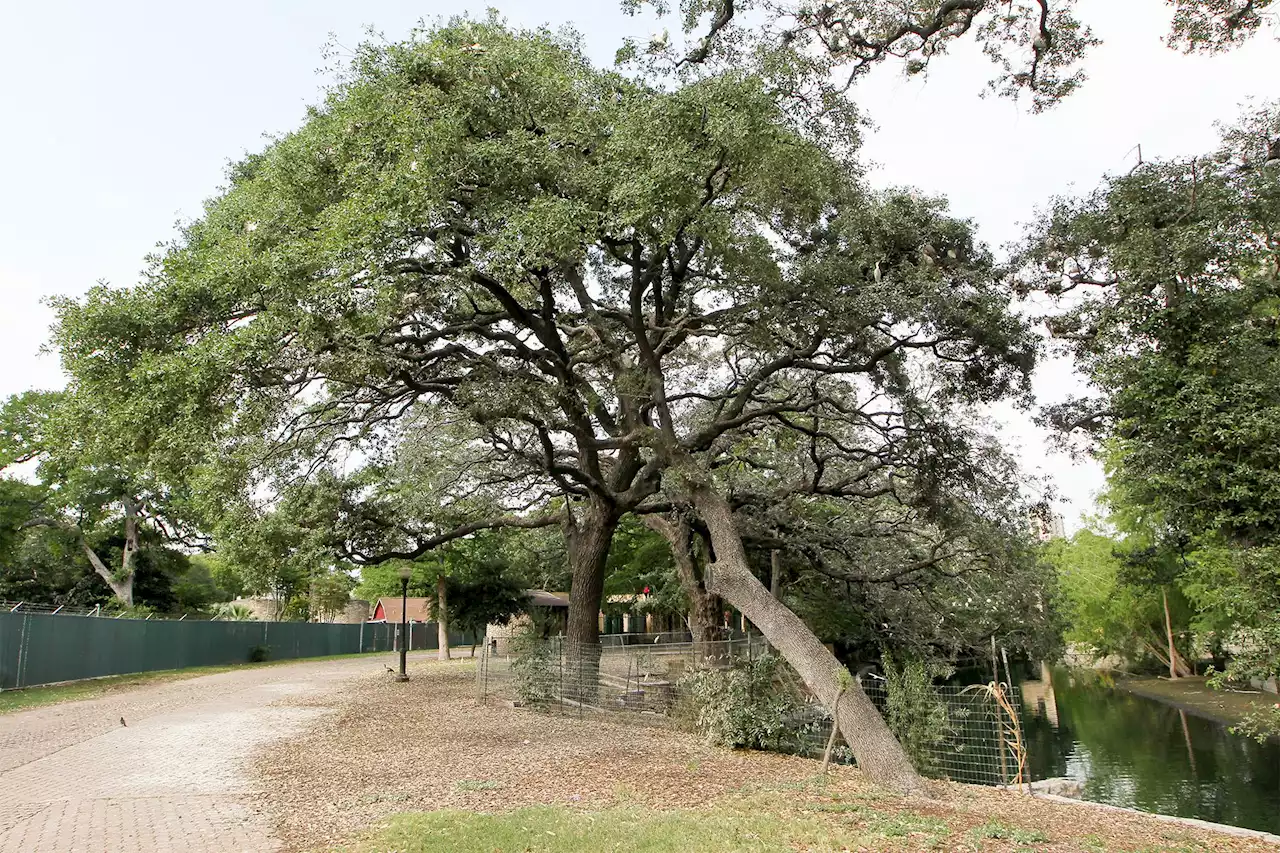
pixel 1195 696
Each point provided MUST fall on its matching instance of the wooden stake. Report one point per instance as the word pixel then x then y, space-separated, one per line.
pixel 835 730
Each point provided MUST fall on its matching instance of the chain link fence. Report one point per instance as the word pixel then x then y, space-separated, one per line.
pixel 956 733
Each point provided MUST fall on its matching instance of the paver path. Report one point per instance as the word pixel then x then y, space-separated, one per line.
pixel 173 778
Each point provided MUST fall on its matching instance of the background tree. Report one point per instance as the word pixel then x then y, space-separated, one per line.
pixel 224 575
pixel 45 564
pixel 97 482
pixel 487 595
pixel 382 581
pixel 1169 282
pixel 286 551
pixel 1107 613
pixel 483 584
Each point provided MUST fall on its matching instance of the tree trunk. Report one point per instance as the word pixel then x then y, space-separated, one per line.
pixel 121 585
pixel 131 543
pixel 877 751
pixel 442 619
pixel 704 615
pixel 775 574
pixel 123 589
pixel 1168 629
pixel 587 539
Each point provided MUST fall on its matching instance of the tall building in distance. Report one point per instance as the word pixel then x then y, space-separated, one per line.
pixel 1044 523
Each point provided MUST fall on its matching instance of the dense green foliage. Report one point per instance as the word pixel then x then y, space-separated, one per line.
pixel 45 564
pixel 1179 335
pixel 915 712
pixel 750 705
pixel 1110 614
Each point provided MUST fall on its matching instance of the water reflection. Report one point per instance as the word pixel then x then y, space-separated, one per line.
pixel 1136 752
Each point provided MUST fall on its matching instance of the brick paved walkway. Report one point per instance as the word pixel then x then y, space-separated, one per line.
pixel 174 778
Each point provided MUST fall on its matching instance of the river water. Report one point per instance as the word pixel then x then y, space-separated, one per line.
pixel 1136 752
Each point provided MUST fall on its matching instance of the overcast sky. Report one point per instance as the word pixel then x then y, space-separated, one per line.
pixel 121 118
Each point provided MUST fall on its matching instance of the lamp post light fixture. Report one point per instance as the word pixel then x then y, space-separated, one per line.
pixel 404 571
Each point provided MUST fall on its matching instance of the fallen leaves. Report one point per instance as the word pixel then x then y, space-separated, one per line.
pixel 427 744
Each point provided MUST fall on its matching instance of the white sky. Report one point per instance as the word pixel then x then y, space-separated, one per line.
pixel 120 118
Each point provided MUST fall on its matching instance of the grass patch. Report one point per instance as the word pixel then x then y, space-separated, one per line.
pixel 477 785
pixel 906 824
pixel 555 829
pixel 91 688
pixel 994 829
pixel 35 697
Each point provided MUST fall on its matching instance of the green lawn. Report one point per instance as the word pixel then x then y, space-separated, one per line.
pixel 753 823
pixel 810 818
pixel 554 829
pixel 35 697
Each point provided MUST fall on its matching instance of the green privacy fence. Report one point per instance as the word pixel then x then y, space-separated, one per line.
pixel 46 649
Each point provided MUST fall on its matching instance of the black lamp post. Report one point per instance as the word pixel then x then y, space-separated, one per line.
pixel 404 572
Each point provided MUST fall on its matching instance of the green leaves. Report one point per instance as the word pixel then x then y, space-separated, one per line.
pixel 485 284
pixel 1212 26
pixel 1175 263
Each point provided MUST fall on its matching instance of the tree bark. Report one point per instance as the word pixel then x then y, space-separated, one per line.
pixel 123 589
pixel 587 538
pixel 442 620
pixel 131 542
pixel 704 621
pixel 775 574
pixel 1168 629
pixel 877 751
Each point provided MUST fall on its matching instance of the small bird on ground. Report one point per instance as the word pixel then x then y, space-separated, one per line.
pixel 123 723
pixel 387 668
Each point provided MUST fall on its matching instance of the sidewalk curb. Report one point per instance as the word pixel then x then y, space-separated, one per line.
pixel 1238 831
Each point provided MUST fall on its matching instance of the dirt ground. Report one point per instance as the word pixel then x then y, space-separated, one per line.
pixel 382 747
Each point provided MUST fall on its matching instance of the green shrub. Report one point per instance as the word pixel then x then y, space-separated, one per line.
pixel 750 706
pixel 533 668
pixel 916 714
pixel 115 608
pixel 258 654
pixel 230 611
pixel 1261 724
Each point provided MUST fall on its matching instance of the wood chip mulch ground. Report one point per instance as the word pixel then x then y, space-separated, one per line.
pixel 387 747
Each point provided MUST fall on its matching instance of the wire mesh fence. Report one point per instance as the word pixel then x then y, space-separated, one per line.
pixel 971 743
pixel 969 737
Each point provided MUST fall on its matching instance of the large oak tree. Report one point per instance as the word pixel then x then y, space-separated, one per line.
pixel 588 287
